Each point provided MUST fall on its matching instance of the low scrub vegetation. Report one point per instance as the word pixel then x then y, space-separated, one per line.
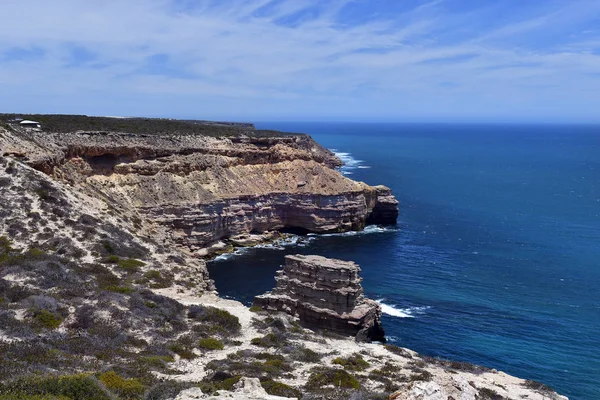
pixel 275 388
pixel 143 126
pixel 353 363
pixel 210 343
pixel 338 378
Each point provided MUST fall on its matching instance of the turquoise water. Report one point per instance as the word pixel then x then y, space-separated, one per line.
pixel 496 256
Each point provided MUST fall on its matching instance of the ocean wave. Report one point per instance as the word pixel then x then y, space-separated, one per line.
pixel 349 163
pixel 368 230
pixel 409 312
pixel 279 244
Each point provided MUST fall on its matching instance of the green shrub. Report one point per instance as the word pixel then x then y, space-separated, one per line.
pixel 256 309
pixel 215 317
pixel 182 351
pixel 353 363
pixel 269 340
pixel 43 194
pixel 150 304
pixel 22 396
pixel 210 343
pixel 130 264
pixel 280 389
pixel 540 387
pixel 211 387
pixel 112 259
pixel 397 350
pixel 153 274
pixel 305 354
pixel 424 376
pixel 119 289
pixel 35 253
pixel 331 376
pixel 72 387
pixel 157 361
pixel 46 319
pixel 489 394
pixel 5 245
pixel 125 388
pixel 108 247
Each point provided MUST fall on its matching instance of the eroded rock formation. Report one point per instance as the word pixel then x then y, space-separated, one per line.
pixel 198 190
pixel 325 294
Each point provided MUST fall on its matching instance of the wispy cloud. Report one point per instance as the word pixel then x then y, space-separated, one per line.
pixel 251 59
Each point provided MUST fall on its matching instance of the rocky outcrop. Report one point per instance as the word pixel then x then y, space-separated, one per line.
pixel 194 191
pixel 325 294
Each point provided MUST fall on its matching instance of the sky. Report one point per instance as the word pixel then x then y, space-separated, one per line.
pixel 340 60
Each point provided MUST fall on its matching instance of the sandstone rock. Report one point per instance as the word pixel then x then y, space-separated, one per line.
pixel 325 294
pixel 198 190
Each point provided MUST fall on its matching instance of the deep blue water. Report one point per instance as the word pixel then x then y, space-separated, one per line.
pixel 496 256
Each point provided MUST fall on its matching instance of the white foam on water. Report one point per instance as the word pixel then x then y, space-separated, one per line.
pixel 349 163
pixel 368 230
pixel 401 312
pixel 279 244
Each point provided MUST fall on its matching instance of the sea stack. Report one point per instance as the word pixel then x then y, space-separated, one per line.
pixel 325 294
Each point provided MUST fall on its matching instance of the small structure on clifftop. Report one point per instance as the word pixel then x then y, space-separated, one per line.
pixel 325 294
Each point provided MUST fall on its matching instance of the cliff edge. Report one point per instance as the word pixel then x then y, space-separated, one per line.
pixel 196 190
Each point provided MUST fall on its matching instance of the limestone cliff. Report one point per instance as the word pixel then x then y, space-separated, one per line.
pixel 325 294
pixel 196 190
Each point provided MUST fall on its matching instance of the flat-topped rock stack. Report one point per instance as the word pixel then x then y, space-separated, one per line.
pixel 325 294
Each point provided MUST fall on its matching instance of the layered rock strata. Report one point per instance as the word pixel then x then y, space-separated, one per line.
pixel 195 191
pixel 325 294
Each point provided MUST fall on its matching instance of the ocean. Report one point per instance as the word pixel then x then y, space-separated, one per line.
pixel 495 259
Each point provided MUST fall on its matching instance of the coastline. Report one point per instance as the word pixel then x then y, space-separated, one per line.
pixel 143 283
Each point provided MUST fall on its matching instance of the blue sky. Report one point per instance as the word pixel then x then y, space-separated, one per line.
pixel 371 60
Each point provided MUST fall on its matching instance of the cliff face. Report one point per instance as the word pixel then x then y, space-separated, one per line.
pixel 325 294
pixel 197 190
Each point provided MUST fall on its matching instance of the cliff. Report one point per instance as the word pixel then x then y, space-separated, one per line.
pixel 196 190
pixel 325 294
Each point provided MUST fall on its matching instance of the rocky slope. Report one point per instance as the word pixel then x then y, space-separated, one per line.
pixel 325 294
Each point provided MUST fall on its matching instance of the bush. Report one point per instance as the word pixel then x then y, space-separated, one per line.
pixel 331 376
pixel 112 259
pixel 157 361
pixel 119 289
pixel 540 387
pixel 269 340
pixel 125 388
pixel 424 376
pixel 397 350
pixel 21 396
pixel 280 389
pixel 305 354
pixel 71 387
pixel 159 280
pixel 256 309
pixel 167 390
pixel 489 394
pixel 353 363
pixel 47 319
pixel 211 387
pixel 216 317
pixel 130 264
pixel 210 344
pixel 182 351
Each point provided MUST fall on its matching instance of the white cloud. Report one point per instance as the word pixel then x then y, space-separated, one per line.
pixel 238 59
